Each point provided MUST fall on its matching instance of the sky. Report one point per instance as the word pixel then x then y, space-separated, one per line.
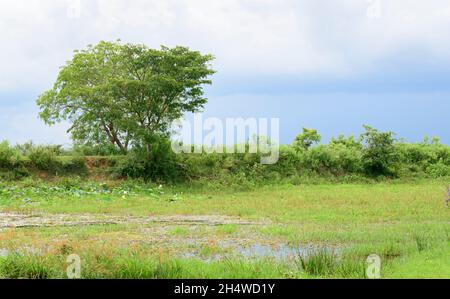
pixel 330 65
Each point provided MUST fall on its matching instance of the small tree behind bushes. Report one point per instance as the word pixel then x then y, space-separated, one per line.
pixel 380 156
pixel 306 139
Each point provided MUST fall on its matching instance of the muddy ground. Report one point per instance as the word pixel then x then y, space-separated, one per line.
pixel 16 220
pixel 201 231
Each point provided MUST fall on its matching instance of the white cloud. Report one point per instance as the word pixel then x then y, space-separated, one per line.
pixel 20 126
pixel 310 37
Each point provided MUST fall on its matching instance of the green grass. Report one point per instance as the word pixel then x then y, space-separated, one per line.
pixel 28 266
pixel 406 224
pixel 138 265
pixel 334 203
pixel 143 268
pixel 432 263
pixel 227 229
pixel 179 231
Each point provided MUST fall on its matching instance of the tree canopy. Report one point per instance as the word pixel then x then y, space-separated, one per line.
pixel 306 139
pixel 126 94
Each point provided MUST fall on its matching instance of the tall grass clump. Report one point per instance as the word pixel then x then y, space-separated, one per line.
pixel 422 242
pixel 17 266
pixel 326 262
pixel 318 262
pixel 72 165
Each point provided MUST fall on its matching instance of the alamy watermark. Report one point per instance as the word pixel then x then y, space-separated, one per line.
pixel 234 135
pixel 73 270
pixel 373 270
pixel 374 9
pixel 74 9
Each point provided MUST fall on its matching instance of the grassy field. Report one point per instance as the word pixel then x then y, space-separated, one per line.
pixel 286 231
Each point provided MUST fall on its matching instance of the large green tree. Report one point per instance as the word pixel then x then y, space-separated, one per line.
pixel 126 94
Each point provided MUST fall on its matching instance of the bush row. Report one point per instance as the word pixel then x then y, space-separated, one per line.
pixel 327 161
pixel 21 160
pixel 347 158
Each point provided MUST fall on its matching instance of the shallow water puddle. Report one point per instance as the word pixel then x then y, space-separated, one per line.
pixel 279 251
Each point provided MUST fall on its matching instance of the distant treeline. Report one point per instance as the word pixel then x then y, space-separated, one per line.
pixel 374 154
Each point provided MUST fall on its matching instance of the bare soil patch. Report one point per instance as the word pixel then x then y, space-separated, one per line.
pixel 17 220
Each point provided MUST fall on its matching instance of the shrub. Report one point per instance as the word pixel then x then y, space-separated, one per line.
pixel 159 164
pixel 73 165
pixel 42 157
pixel 438 170
pixel 379 154
pixel 70 183
pixel 94 150
pixel 306 139
pixel 29 147
pixel 8 156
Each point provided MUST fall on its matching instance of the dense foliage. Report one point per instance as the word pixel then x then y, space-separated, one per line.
pixel 121 100
pixel 121 95
pixel 306 139
pixel 374 154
